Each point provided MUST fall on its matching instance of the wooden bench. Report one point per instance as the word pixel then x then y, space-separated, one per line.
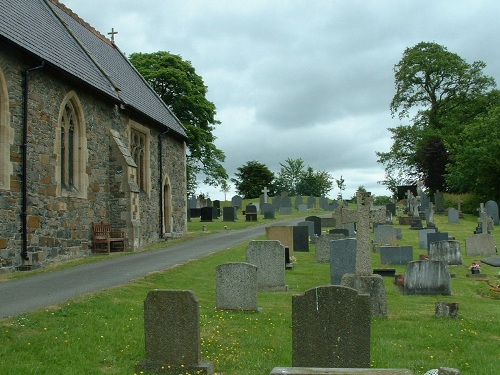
pixel 103 234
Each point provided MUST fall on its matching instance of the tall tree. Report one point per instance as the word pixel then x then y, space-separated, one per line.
pixel 291 173
pixel 176 82
pixel 252 178
pixel 437 86
pixel 316 183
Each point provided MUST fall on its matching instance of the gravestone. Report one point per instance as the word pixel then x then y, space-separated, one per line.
pixel 283 234
pixel 491 208
pixel 265 197
pixel 236 286
pixel 385 235
pixel 268 257
pixel 446 251
pixel 363 279
pixel 317 224
pixel 251 212
pixel 193 202
pixel 429 216
pixel 288 260
pixel 342 259
pixel 207 214
pixel 229 213
pixel 237 201
pixel 480 244
pixel 391 207
pixel 390 255
pixel 285 210
pixel 422 237
pixel 322 253
pixel 435 237
pixel 268 211
pixel 310 230
pixel 323 202
pixel 331 328
pixel 446 309
pixel 277 202
pixel 298 201
pixel 453 216
pixel 439 201
pixel 427 277
pixel 311 202
pixel 195 212
pixel 300 239
pixel 172 333
pixel 286 205
pixel 344 232
pixel 302 208
pixel 328 222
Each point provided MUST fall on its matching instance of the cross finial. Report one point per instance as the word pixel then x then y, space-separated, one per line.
pixel 112 33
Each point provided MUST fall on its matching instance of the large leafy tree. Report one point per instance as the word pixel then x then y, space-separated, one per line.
pixel 291 173
pixel 443 93
pixel 176 82
pixel 252 178
pixel 316 183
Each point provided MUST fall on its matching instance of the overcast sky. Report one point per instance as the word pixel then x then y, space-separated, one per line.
pixel 300 79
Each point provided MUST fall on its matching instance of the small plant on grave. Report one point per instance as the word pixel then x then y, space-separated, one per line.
pixel 475 267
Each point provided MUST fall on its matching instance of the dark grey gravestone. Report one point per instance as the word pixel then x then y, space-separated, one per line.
pixel 300 239
pixel 268 257
pixel 288 260
pixel 396 254
pixel 310 230
pixel 385 235
pixel 439 202
pixel 491 208
pixel 342 259
pixel 435 237
pixel 209 203
pixel 207 214
pixel 236 286
pixel 427 277
pixel 229 214
pixel 302 208
pixel 322 253
pixel 480 244
pixel 344 232
pixel 298 201
pixel 311 202
pixel 172 333
pixel 351 227
pixel 285 210
pixel 277 202
pixel 217 203
pixel 195 212
pixel 331 328
pixel 391 207
pixel 251 212
pixel 193 202
pixel 237 201
pixel 323 202
pixel 453 216
pixel 268 211
pixel 446 251
pixel 422 237
pixel 317 224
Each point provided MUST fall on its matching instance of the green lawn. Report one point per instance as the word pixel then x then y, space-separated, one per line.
pixel 102 333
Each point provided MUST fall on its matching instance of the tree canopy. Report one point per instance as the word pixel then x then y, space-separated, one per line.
pixel 444 94
pixel 252 178
pixel 184 92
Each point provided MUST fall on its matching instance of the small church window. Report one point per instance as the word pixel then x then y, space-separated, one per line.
pixel 138 146
pixel 67 146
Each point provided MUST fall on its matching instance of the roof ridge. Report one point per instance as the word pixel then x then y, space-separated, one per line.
pixel 77 18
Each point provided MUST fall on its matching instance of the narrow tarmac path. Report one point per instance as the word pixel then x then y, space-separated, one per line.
pixel 40 291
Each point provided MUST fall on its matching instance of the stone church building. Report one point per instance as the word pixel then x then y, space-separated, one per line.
pixel 83 139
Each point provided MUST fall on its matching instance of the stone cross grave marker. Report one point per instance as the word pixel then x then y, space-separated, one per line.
pixel 363 216
pixel 265 191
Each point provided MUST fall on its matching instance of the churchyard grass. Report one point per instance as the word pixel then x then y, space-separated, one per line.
pixel 102 333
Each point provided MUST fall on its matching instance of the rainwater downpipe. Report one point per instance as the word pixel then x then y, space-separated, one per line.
pixel 24 176
pixel 161 180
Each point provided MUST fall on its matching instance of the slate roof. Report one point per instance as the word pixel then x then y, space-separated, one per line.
pixel 48 29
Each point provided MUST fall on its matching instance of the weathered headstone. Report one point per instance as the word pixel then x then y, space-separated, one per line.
pixel 236 286
pixel 311 202
pixel 286 205
pixel 237 201
pixel 342 259
pixel 447 309
pixel 491 208
pixel 310 230
pixel 317 224
pixel 277 202
pixel 344 232
pixel 391 207
pixel 268 256
pixel 422 237
pixel 439 201
pixel 172 333
pixel 302 208
pixel 396 254
pixel 322 253
pixel 385 235
pixel 453 216
pixel 427 277
pixel 480 244
pixel 229 213
pixel 283 234
pixel 446 251
pixel 331 328
pixel 435 237
pixel 300 239
pixel 298 201
pixel 328 222
pixel 268 211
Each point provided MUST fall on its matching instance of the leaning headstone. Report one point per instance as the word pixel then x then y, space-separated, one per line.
pixel 317 224
pixel 268 257
pixel 283 234
pixel 229 213
pixel 342 259
pixel 422 237
pixel 435 237
pixel 322 253
pixel 427 277
pixel 237 201
pixel 268 211
pixel 300 239
pixel 446 251
pixel 480 244
pixel 236 286
pixel 310 230
pixel 491 208
pixel 453 216
pixel 390 255
pixel 331 328
pixel 172 334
